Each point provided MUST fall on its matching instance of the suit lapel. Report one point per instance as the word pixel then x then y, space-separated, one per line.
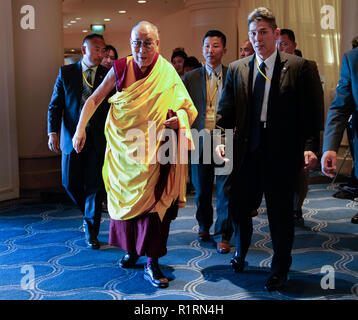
pixel 284 68
pixel 224 75
pixel 203 85
pixel 279 73
pixel 99 77
pixel 78 83
pixel 249 76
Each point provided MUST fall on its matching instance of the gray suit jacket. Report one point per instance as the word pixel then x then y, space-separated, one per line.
pixel 292 115
pixel 195 83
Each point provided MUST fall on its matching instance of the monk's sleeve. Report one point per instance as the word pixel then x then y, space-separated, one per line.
pixel 186 113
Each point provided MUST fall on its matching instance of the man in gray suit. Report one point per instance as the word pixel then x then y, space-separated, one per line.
pixel 205 86
pixel 267 100
pixel 343 106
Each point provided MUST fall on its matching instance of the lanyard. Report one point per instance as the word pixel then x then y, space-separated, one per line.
pixel 84 77
pixel 258 68
pixel 216 89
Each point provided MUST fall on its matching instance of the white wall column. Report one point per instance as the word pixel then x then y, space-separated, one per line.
pixel 349 24
pixel 38 53
pixel 214 14
pixel 9 164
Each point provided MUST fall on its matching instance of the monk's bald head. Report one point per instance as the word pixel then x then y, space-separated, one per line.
pixel 146 27
pixel 144 43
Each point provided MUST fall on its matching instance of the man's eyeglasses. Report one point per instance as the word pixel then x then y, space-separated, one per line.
pixel 148 44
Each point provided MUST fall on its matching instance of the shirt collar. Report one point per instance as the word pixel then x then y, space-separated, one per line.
pixel 269 62
pixel 217 70
pixel 85 68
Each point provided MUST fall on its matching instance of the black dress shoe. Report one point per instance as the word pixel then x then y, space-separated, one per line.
pixel 128 260
pixel 254 213
pixel 204 236
pixel 238 265
pixel 345 194
pixel 275 282
pixel 155 276
pixel 298 219
pixel 93 243
pixel 355 219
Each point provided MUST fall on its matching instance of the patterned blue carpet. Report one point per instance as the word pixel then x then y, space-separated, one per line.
pixel 43 257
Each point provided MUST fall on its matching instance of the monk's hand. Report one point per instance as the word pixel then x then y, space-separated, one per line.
pixel 220 151
pixel 329 163
pixel 172 123
pixel 311 160
pixel 78 140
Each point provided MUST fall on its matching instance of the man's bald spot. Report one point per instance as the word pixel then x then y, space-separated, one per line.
pixel 148 26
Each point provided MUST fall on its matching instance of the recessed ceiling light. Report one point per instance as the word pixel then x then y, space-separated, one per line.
pixel 107 19
pixel 141 1
pixel 84 31
pixel 122 11
pixel 73 50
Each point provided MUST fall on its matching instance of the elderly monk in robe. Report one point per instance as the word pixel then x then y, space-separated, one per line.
pixel 143 194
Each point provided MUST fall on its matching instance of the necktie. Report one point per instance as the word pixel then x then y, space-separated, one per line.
pixel 212 90
pixel 87 87
pixel 257 100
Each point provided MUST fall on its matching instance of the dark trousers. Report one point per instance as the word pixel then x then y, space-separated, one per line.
pixel 301 190
pixel 258 177
pixel 203 179
pixel 82 179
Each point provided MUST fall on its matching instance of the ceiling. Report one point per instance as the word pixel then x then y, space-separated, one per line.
pixel 94 12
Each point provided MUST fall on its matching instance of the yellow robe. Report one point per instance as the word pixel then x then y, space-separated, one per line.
pixel 134 129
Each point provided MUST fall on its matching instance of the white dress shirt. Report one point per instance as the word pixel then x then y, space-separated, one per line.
pixel 270 65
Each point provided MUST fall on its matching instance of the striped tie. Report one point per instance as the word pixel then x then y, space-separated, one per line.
pixel 86 90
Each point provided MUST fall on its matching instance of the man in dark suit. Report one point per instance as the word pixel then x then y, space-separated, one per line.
pixel 205 86
pixel 81 173
pixel 265 99
pixel 344 105
pixel 287 43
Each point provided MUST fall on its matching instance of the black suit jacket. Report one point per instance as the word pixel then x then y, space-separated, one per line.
pixel 64 108
pixel 292 115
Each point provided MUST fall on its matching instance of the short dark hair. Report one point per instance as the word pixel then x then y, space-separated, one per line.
pixel 216 33
pixel 262 14
pixel 355 42
pixel 109 47
pixel 298 52
pixel 179 52
pixel 192 62
pixel 290 34
pixel 92 36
